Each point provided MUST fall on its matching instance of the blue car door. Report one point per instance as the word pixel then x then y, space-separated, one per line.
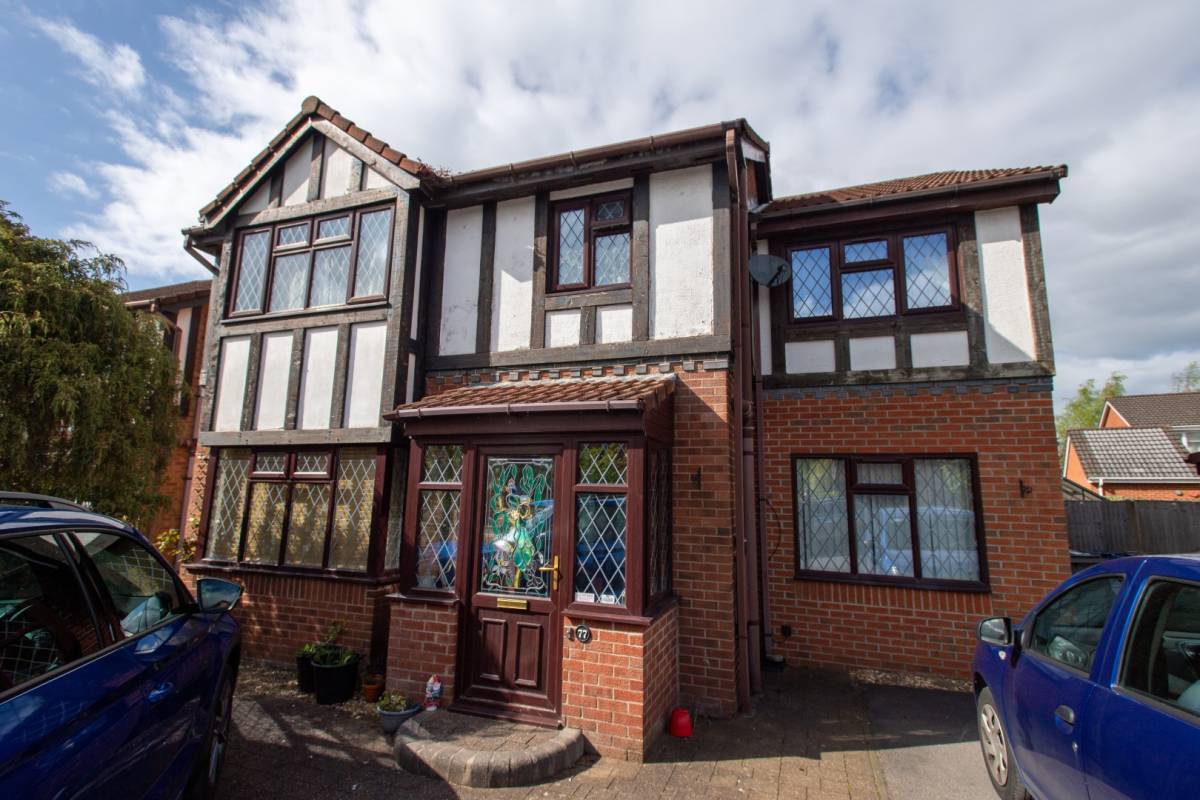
pixel 1051 683
pixel 68 708
pixel 1141 736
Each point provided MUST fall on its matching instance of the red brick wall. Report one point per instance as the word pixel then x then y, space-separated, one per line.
pixel 1010 426
pixel 661 682
pixel 1158 491
pixel 422 641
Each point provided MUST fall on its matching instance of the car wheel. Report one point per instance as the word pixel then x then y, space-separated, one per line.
pixel 212 753
pixel 997 753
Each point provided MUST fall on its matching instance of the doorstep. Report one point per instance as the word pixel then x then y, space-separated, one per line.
pixel 483 752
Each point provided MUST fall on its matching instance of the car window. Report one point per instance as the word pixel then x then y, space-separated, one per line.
pixel 143 591
pixel 45 621
pixel 1162 656
pixel 1068 630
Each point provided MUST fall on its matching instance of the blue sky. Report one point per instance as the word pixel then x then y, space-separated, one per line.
pixel 123 118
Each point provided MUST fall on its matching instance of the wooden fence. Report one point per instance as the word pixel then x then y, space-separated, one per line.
pixel 1129 526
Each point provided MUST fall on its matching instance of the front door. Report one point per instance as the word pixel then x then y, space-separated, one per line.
pixel 512 644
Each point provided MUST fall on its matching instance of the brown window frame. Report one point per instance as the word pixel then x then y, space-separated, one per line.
pixel 409 552
pixel 592 229
pixel 895 262
pixel 310 247
pixel 906 487
pixel 291 478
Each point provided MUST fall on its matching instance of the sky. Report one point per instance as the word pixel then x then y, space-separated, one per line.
pixel 124 117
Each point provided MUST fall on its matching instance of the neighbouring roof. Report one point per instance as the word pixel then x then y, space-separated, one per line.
pixel 171 293
pixel 1158 410
pixel 1073 491
pixel 517 397
pixel 934 182
pixel 1138 453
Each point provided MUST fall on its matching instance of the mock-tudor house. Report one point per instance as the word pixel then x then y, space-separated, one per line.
pixel 1141 449
pixel 182 310
pixel 534 428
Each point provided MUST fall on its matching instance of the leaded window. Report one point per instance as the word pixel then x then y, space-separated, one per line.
pixel 897 518
pixel 439 498
pixel 395 525
pixel 601 523
pixel 592 243
pixel 882 276
pixel 307 509
pixel 327 261
pixel 659 522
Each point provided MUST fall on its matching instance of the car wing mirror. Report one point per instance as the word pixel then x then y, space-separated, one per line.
pixel 997 631
pixel 216 595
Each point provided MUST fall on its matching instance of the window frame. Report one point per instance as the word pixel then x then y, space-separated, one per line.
pixel 592 229
pixel 894 237
pixel 310 248
pixel 290 478
pixel 908 488
pixel 578 488
pixel 1119 684
pixel 409 552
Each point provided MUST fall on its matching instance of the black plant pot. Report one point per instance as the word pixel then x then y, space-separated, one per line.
pixel 304 673
pixel 335 684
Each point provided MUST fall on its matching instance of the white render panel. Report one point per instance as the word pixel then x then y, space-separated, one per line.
pixel 295 174
pixel 873 352
pixel 410 391
pixel 592 188
pixel 364 375
pixel 316 378
pixel 614 324
pixel 184 322
pixel 947 349
pixel 460 281
pixel 276 363
pixel 335 178
pixel 765 365
pixel 562 328
pixel 231 385
pixel 512 275
pixel 257 201
pixel 373 180
pixel 802 357
pixel 416 304
pixel 1008 319
pixel 681 253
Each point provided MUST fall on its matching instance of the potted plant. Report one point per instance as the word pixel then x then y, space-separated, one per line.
pixel 372 687
pixel 394 710
pixel 335 673
pixel 304 670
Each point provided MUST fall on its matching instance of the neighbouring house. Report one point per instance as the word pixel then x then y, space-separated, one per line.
pixel 1141 449
pixel 535 428
pixel 182 309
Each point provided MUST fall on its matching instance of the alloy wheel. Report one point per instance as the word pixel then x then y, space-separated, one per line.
pixel 221 727
pixel 995 748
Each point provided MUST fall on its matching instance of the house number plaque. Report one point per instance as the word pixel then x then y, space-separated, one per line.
pixel 583 634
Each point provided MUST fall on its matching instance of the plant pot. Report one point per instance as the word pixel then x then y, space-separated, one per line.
pixel 304 674
pixel 392 720
pixel 335 684
pixel 371 691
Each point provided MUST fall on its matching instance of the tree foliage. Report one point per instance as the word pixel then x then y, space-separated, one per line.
pixel 1187 379
pixel 88 406
pixel 1083 410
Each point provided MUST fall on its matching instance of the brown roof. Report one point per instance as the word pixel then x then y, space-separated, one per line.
pixel 933 182
pixel 1142 453
pixel 314 108
pixel 168 294
pixel 515 397
pixel 1158 410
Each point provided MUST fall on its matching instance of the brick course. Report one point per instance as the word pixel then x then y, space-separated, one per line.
pixel 422 641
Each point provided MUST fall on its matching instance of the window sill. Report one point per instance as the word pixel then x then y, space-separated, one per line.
pixel 968 587
pixel 344 576
pixel 354 306
pixel 429 599
pixel 599 613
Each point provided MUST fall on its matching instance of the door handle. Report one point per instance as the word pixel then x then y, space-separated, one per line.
pixel 553 568
pixel 1066 714
pixel 160 692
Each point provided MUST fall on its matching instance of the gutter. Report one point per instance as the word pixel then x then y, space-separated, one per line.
pixel 1121 479
pixel 516 408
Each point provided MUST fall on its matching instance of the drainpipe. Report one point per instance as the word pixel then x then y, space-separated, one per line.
pixel 760 496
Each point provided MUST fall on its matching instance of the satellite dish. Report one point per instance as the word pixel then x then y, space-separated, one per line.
pixel 768 270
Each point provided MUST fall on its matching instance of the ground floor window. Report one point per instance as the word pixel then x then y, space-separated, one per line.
pixel 305 508
pixel 890 517
pixel 439 496
pixel 601 522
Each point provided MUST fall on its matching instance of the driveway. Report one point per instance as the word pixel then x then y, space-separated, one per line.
pixel 812 734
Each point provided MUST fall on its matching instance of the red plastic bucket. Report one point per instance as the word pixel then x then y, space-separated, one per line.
pixel 681 723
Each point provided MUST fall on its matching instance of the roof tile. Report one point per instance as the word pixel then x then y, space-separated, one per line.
pixel 511 393
pixel 1158 410
pixel 1130 453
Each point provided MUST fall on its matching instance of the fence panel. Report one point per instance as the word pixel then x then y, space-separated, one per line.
pixel 1129 526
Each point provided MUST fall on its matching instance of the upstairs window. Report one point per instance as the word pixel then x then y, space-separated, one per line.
pixel 326 261
pixel 868 278
pixel 591 243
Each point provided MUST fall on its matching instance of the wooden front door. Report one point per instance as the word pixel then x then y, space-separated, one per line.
pixel 512 644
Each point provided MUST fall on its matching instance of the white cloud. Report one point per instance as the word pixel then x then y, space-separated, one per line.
pixel 68 183
pixel 117 66
pixel 845 92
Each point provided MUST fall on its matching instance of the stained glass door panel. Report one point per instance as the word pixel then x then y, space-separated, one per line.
pixel 517 539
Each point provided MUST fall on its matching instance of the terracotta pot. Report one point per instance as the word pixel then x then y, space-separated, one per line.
pixel 371 691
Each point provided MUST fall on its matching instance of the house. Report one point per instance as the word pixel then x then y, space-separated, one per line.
pixel 535 429
pixel 1141 449
pixel 182 309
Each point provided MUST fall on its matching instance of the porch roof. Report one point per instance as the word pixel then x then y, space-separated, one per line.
pixel 637 393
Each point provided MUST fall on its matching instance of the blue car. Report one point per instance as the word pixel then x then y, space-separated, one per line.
pixel 1095 694
pixel 114 681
